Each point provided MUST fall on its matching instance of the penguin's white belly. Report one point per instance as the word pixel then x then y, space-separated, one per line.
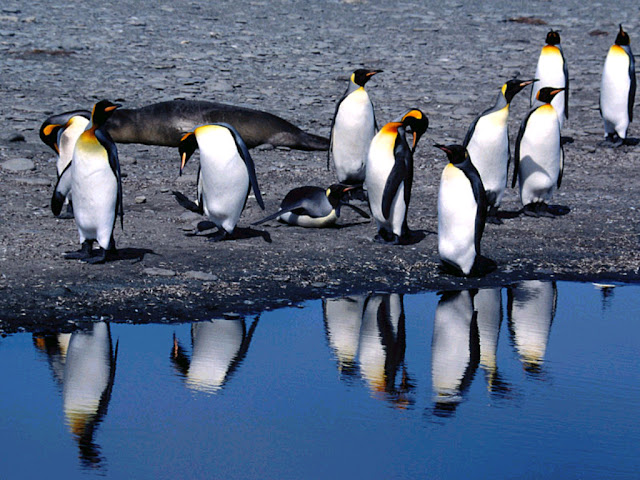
pixel 310 222
pixel 380 162
pixel 614 92
pixel 540 157
pixel 550 73
pixel 489 152
pixel 457 210
pixel 95 193
pixel 352 134
pixel 225 185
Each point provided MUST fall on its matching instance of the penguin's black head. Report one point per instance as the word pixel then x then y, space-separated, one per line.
pixel 553 38
pixel 49 135
pixel 456 154
pixel 622 38
pixel 336 191
pixel 102 111
pixel 546 94
pixel 513 86
pixel 416 123
pixel 362 76
pixel 188 144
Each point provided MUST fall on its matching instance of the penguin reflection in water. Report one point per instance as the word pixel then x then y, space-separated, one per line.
pixel 94 177
pixel 487 142
pixel 389 175
pixel 313 207
pixel 618 90
pixel 462 213
pixel 539 157
pixel 225 176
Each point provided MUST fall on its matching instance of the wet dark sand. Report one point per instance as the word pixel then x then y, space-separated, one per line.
pixel 449 59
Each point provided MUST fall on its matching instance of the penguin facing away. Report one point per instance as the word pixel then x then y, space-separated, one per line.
pixel 389 175
pixel 552 71
pixel 353 127
pixel 94 177
pixel 226 174
pixel 618 89
pixel 539 157
pixel 462 213
pixel 314 207
pixel 487 142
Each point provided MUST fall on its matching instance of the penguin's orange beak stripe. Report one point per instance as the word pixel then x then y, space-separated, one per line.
pixel 183 161
pixel 111 108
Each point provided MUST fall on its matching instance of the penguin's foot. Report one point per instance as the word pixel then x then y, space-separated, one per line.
pixel 530 210
pixel 386 237
pixel 492 216
pixel 543 210
pixel 612 140
pixel 68 214
pixel 482 266
pixel 99 257
pixel 83 253
pixel 219 236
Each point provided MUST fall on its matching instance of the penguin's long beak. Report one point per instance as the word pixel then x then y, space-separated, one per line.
pixel 371 73
pixel 557 90
pixel 183 161
pixel 444 148
pixel 111 108
pixel 527 82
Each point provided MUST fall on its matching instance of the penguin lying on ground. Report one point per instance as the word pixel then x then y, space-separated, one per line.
pixel 462 212
pixel 225 176
pixel 487 142
pixel 353 127
pixel 313 206
pixel 539 157
pixel 552 71
pixel 389 175
pixel 94 177
pixel 618 90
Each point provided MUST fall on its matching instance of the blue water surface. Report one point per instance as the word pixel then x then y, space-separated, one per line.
pixel 533 380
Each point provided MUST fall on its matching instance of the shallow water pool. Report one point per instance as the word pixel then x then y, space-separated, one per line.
pixel 534 380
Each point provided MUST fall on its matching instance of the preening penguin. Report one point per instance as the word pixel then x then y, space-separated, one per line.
pixel 94 177
pixel 462 212
pixel 313 206
pixel 552 71
pixel 618 89
pixel 353 127
pixel 389 175
pixel 226 174
pixel 487 142
pixel 539 158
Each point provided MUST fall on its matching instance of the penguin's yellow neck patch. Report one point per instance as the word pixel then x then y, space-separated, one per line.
pixel 617 50
pixel 452 172
pixel 550 50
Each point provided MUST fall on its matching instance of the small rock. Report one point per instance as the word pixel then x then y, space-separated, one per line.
pixel 141 199
pixel 204 276
pixel 159 272
pixel 318 285
pixel 18 165
pixel 17 137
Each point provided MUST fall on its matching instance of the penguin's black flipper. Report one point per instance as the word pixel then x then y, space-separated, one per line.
pixel 358 210
pixel 109 145
pixel 188 204
pixel 561 166
pixel 481 200
pixel 632 87
pixel 63 187
pixel 248 161
pixel 402 171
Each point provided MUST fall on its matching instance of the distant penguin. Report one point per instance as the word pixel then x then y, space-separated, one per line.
pixel 62 138
pixel 487 142
pixel 539 157
pixel 389 175
pixel 94 177
pixel 552 71
pixel 314 207
pixel 226 174
pixel 353 127
pixel 462 212
pixel 618 89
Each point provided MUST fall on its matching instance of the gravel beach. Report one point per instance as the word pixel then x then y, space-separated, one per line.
pixel 293 59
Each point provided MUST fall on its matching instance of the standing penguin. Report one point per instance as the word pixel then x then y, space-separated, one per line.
pixel 389 175
pixel 225 176
pixel 315 207
pixel 539 158
pixel 94 178
pixel 353 127
pixel 487 142
pixel 462 212
pixel 62 139
pixel 552 71
pixel 618 89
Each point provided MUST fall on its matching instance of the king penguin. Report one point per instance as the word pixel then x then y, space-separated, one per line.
pixel 226 174
pixel 462 212
pixel 313 207
pixel 353 127
pixel 487 142
pixel 552 71
pixel 94 178
pixel 618 89
pixel 539 158
pixel 62 139
pixel 389 175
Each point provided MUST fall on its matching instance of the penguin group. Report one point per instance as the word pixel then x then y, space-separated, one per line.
pixel 376 161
